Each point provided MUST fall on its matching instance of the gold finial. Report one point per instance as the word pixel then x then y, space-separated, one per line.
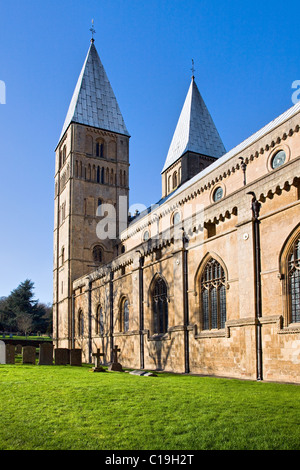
pixel 93 31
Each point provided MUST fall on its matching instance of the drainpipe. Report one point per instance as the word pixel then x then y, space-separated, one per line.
pixel 244 169
pixel 141 309
pixel 185 304
pixel 111 313
pixel 73 322
pixel 90 321
pixel 256 206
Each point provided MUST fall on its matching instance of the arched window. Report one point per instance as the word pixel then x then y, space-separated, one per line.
pixel 169 183
pixel 124 315
pixel 80 323
pixel 99 326
pixel 100 149
pixel 175 179
pixel 293 281
pixel 213 296
pixel 160 307
pixel 97 254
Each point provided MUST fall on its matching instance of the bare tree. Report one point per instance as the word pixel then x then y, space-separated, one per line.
pixel 24 322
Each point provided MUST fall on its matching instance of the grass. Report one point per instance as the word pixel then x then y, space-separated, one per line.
pixel 72 408
pixel 29 337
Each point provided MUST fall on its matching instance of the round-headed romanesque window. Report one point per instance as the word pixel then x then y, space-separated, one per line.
pixel 218 194
pixel 146 236
pixel 176 218
pixel 278 159
pixel 97 254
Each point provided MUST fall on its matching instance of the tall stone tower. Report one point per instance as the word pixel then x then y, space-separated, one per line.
pixel 91 170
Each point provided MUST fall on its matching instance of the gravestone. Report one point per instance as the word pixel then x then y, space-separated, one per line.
pixel 115 365
pixel 98 367
pixel 2 353
pixel 142 373
pixel 46 354
pixel 75 357
pixel 10 354
pixel 61 356
pixel 28 355
pixel 19 349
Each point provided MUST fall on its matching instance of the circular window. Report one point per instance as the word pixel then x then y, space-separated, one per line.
pixel 146 236
pixel 176 218
pixel 218 194
pixel 279 159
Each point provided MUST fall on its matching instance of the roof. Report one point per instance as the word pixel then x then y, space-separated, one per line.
pixel 290 113
pixel 241 147
pixel 195 131
pixel 94 103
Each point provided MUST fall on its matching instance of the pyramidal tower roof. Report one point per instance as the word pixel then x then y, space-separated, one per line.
pixel 195 131
pixel 94 103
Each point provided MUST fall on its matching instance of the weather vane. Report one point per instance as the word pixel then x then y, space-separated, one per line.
pixel 193 68
pixel 93 31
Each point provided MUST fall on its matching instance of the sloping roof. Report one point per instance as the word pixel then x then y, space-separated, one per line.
pixel 195 131
pixel 290 113
pixel 94 103
pixel 241 147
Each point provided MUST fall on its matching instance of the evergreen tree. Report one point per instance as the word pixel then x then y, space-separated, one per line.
pixel 21 311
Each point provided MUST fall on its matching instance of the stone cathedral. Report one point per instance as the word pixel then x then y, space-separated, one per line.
pixel 206 281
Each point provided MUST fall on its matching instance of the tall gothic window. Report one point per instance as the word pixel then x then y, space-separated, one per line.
pixel 213 296
pixel 160 307
pixel 80 323
pixel 99 330
pixel 294 282
pixel 124 315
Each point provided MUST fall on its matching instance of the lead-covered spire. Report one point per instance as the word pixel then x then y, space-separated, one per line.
pixel 195 131
pixel 94 103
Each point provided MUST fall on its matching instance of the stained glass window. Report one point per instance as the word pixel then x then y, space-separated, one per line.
pixel 213 296
pixel 160 307
pixel 99 321
pixel 294 282
pixel 126 315
pixel 80 323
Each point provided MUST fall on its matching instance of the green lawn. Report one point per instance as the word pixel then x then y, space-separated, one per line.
pixel 63 407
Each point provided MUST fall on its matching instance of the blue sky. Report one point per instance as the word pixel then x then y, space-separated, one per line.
pixel 246 57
